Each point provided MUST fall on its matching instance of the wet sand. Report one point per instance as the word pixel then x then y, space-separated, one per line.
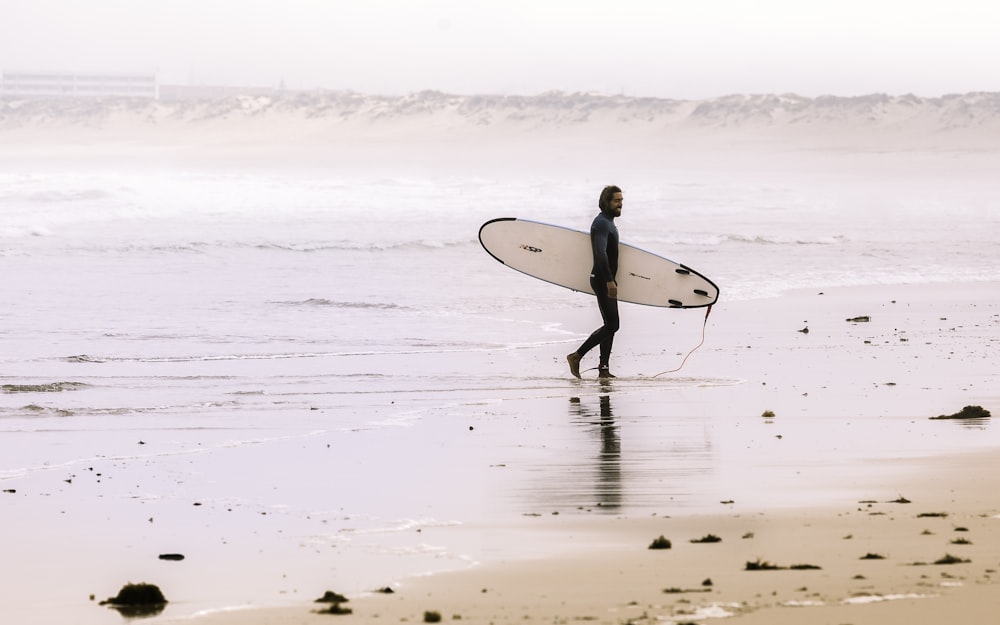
pixel 531 496
pixel 870 511
pixel 874 563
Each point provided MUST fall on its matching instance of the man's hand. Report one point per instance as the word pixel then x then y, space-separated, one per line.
pixel 613 290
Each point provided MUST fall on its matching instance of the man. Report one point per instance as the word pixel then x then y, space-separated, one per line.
pixel 604 244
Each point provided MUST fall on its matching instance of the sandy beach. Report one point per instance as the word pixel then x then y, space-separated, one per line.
pixel 874 558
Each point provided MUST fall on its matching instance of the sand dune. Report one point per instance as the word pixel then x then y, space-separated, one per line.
pixel 956 122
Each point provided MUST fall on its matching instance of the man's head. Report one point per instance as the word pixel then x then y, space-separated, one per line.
pixel 610 201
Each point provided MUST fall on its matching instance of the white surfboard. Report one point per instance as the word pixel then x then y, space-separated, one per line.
pixel 563 256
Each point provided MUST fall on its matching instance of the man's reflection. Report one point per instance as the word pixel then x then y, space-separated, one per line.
pixel 600 420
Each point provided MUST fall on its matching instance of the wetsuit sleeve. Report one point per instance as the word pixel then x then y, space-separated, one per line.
pixel 600 230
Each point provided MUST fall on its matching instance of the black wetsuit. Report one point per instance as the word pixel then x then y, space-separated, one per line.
pixel 604 244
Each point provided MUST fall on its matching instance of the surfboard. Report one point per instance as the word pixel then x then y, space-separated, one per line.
pixel 563 257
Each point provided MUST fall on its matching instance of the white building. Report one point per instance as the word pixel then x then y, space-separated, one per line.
pixel 72 85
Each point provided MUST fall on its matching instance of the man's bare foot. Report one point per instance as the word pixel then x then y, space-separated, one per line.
pixel 574 364
pixel 603 372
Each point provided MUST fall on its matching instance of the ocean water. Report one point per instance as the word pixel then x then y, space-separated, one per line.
pixel 205 296
pixel 177 327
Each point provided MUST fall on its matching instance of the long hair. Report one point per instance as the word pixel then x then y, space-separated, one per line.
pixel 604 202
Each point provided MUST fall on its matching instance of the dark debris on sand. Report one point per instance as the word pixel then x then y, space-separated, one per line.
pixel 660 543
pixel 335 600
pixel 968 412
pixel 764 565
pixel 135 600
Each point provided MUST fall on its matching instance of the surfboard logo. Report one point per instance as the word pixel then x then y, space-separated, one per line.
pixel 530 248
pixel 635 275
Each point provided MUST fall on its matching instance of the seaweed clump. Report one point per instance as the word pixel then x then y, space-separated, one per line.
pixel 134 600
pixel 950 559
pixel 968 412
pixel 764 565
pixel 661 543
pixel 680 591
pixel 334 599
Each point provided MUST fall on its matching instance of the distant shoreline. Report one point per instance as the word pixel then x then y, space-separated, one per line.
pixel 584 134
pixel 957 120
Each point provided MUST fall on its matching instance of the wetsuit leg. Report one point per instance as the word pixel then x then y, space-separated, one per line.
pixel 605 335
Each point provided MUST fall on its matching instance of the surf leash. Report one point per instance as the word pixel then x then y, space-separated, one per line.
pixel 708 311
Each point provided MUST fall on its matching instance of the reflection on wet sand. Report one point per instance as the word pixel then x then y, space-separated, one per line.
pixel 620 451
pixel 601 423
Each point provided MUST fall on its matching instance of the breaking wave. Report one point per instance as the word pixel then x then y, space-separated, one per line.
pixel 49 387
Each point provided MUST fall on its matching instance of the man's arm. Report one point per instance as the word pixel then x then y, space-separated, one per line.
pixel 599 233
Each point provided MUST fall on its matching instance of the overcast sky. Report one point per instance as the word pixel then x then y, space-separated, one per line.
pixel 663 48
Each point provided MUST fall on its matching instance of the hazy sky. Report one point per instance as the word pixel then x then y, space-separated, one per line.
pixel 663 48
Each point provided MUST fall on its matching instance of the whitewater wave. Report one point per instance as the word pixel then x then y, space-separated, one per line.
pixel 201 247
pixel 323 302
pixel 357 246
pixel 50 197
pixel 720 239
pixel 47 387
pixel 759 239
pixel 24 232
